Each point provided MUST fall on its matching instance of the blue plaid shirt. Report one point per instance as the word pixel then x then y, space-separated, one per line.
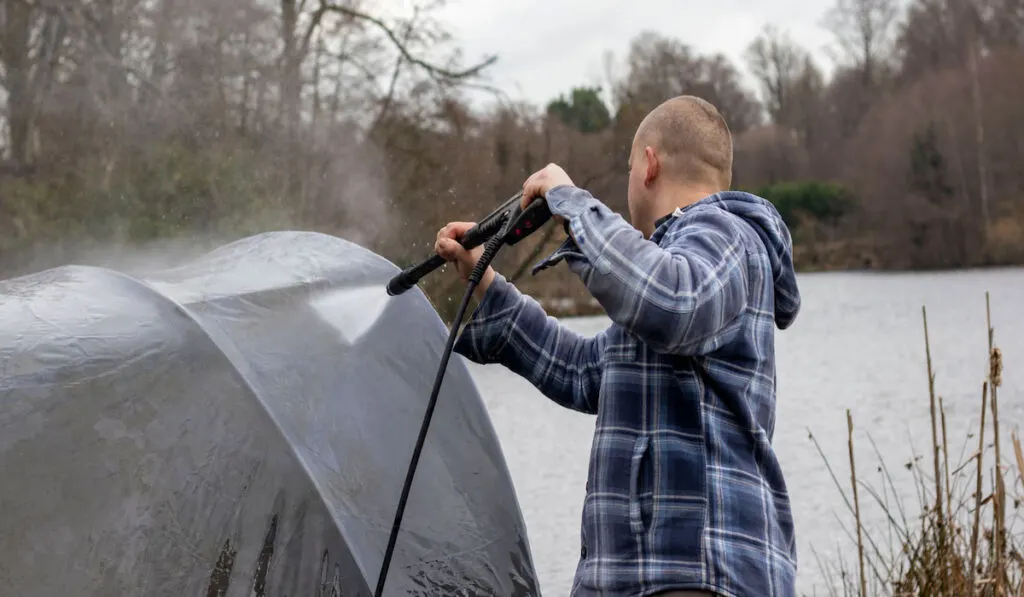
pixel 684 490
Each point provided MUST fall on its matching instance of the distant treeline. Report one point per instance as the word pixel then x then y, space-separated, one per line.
pixel 135 120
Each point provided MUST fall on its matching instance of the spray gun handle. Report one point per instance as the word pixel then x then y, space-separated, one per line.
pixel 527 221
pixel 524 222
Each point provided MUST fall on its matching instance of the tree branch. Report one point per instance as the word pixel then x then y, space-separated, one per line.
pixel 389 97
pixel 327 6
pixel 307 35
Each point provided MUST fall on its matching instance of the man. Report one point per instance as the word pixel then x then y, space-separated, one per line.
pixel 684 493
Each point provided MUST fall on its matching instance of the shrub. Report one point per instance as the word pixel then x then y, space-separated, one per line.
pixel 825 202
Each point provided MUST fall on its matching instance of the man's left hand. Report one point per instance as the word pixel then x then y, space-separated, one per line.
pixel 542 181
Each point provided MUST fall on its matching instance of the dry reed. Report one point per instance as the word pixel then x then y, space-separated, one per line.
pixel 942 555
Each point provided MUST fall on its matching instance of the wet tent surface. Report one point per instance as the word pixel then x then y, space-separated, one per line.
pixel 242 425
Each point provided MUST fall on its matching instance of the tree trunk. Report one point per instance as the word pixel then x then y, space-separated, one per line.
pixel 979 127
pixel 14 52
pixel 291 62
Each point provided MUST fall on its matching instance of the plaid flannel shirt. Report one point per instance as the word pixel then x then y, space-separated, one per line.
pixel 684 490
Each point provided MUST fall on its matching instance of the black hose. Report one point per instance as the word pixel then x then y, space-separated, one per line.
pixel 490 250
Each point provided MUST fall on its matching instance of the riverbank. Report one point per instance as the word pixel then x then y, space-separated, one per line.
pixel 562 295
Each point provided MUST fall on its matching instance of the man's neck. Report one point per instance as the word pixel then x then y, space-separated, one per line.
pixel 676 198
pixel 682 197
pixel 663 219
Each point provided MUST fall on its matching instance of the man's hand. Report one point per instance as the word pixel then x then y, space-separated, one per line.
pixel 447 246
pixel 542 181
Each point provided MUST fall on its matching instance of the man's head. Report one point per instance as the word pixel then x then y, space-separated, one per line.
pixel 682 151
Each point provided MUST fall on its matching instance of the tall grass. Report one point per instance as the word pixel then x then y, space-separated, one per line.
pixel 960 542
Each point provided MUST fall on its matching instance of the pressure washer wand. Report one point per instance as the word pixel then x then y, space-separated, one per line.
pixel 528 220
pixel 507 227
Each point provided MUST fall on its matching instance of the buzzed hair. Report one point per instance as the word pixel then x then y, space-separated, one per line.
pixel 692 139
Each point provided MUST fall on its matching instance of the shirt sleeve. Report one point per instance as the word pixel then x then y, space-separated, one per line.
pixel 512 329
pixel 684 296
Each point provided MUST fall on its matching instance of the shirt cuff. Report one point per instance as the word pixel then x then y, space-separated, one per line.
pixel 567 251
pixel 496 297
pixel 568 201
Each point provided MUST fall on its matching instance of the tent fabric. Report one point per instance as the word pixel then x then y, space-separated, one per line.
pixel 242 425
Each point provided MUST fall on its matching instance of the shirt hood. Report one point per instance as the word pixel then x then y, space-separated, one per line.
pixel 769 226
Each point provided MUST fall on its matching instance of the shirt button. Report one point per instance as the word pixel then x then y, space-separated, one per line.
pixel 583 551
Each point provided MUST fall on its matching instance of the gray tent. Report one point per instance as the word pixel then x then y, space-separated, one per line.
pixel 242 425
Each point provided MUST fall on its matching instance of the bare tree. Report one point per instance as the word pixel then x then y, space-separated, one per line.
pixel 139 119
pixel 659 68
pixel 777 63
pixel 31 42
pixel 864 32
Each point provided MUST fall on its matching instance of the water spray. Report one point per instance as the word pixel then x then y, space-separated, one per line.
pixel 506 225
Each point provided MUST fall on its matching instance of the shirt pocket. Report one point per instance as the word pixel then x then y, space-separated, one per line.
pixel 636 469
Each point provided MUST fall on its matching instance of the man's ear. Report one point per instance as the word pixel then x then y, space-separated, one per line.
pixel 653 166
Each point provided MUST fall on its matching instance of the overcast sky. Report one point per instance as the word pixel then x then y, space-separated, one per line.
pixel 545 48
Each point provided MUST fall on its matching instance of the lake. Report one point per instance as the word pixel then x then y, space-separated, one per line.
pixel 858 344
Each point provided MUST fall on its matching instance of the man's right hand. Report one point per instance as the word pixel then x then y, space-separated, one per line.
pixel 448 247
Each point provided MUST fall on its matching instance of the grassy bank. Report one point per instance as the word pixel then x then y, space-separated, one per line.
pixel 959 540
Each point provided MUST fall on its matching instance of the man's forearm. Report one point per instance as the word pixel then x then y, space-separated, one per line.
pixel 513 330
pixel 485 283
